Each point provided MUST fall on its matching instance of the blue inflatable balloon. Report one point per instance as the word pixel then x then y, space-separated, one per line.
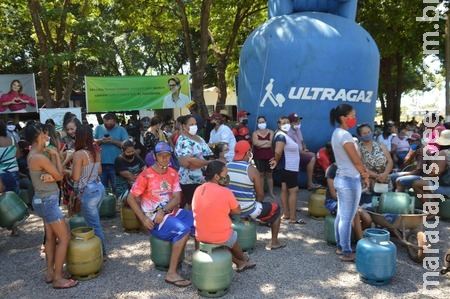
pixel 309 57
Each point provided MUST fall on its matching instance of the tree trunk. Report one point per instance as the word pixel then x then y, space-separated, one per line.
pixel 221 82
pixel 447 65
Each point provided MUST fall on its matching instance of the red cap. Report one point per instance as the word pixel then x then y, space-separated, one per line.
pixel 243 131
pixel 414 136
pixel 216 116
pixel 242 113
pixel 294 117
pixel 241 148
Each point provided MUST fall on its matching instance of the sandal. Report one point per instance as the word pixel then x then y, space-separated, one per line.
pixel 298 221
pixel 314 187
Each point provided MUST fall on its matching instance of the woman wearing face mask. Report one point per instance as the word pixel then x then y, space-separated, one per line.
pixel 347 181
pixel 286 161
pixel 403 180
pixel 45 204
pixel 128 166
pixel 375 156
pixel 400 147
pixel 220 150
pixel 191 151
pixel 262 150
pixel 212 204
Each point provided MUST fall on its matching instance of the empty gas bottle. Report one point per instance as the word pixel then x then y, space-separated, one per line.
pixel 84 257
pixel 212 270
pixel 160 253
pixel 246 230
pixel 129 219
pixel 376 257
pixel 316 205
pixel 13 211
pixel 77 221
pixel 108 205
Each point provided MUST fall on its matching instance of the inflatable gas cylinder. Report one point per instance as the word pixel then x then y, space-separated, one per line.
pixel 309 57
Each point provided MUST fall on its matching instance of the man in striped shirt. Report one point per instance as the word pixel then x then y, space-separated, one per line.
pixel 247 187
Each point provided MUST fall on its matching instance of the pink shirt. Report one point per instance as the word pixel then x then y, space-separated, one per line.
pixel 154 188
pixel 8 97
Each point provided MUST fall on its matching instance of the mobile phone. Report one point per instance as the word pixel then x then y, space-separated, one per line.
pixel 106 136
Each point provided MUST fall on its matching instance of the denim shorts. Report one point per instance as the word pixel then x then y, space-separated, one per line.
pixel 230 242
pixel 48 208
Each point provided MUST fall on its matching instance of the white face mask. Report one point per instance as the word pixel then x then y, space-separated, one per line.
pixel 193 130
pixel 11 127
pixel 262 126
pixel 285 127
pixel 47 143
pixel 297 127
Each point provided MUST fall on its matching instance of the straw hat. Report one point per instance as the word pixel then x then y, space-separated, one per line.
pixel 444 139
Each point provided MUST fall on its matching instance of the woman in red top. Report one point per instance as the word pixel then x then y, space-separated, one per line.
pixel 262 151
pixel 15 100
pixel 212 203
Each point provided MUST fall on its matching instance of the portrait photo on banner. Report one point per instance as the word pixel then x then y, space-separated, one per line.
pixel 17 93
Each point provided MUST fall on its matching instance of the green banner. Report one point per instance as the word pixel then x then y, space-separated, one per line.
pixel 107 94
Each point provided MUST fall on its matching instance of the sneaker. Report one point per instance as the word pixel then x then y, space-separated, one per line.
pixel 348 257
pixel 339 251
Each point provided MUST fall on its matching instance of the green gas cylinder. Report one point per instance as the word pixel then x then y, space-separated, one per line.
pixel 160 253
pixel 393 203
pixel 129 219
pixel 316 205
pixel 84 257
pixel 108 205
pixel 13 211
pixel 77 221
pixel 23 194
pixel 329 229
pixel 212 270
pixel 444 209
pixel 246 230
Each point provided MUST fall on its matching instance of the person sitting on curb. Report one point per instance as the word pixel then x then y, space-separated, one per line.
pixel 212 203
pixel 247 187
pixel 158 188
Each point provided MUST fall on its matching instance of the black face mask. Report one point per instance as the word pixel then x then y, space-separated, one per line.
pixel 223 181
pixel 128 157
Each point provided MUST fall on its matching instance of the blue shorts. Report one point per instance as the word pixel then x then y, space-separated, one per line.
pixel 174 228
pixel 47 208
pixel 331 205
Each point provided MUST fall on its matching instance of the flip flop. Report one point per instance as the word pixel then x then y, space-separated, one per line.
pixel 246 267
pixel 64 275
pixel 71 283
pixel 266 224
pixel 178 283
pixel 281 245
pixel 298 221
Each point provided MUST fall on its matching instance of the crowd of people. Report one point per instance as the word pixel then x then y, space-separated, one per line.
pixel 185 177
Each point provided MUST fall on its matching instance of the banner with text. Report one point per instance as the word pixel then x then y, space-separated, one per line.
pixel 17 93
pixel 107 94
pixel 57 114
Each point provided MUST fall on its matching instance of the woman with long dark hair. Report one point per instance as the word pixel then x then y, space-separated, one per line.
pixel 85 174
pixel 348 177
pixel 15 99
pixel 44 172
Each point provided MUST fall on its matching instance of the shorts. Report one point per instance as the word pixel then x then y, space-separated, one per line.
pixel 263 165
pixel 174 228
pixel 305 159
pixel 231 241
pixel 444 190
pixel 188 193
pixel 47 208
pixel 289 177
pixel 270 212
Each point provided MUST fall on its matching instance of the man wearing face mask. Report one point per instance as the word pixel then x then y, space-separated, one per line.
pixel 403 180
pixel 222 133
pixel 240 130
pixel 307 158
pixel 247 187
pixel 109 137
pixel 12 130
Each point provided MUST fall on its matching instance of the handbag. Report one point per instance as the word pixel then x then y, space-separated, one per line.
pixel 75 199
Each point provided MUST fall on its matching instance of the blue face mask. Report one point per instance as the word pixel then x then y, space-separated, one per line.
pixel 245 121
pixel 414 146
pixel 367 137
